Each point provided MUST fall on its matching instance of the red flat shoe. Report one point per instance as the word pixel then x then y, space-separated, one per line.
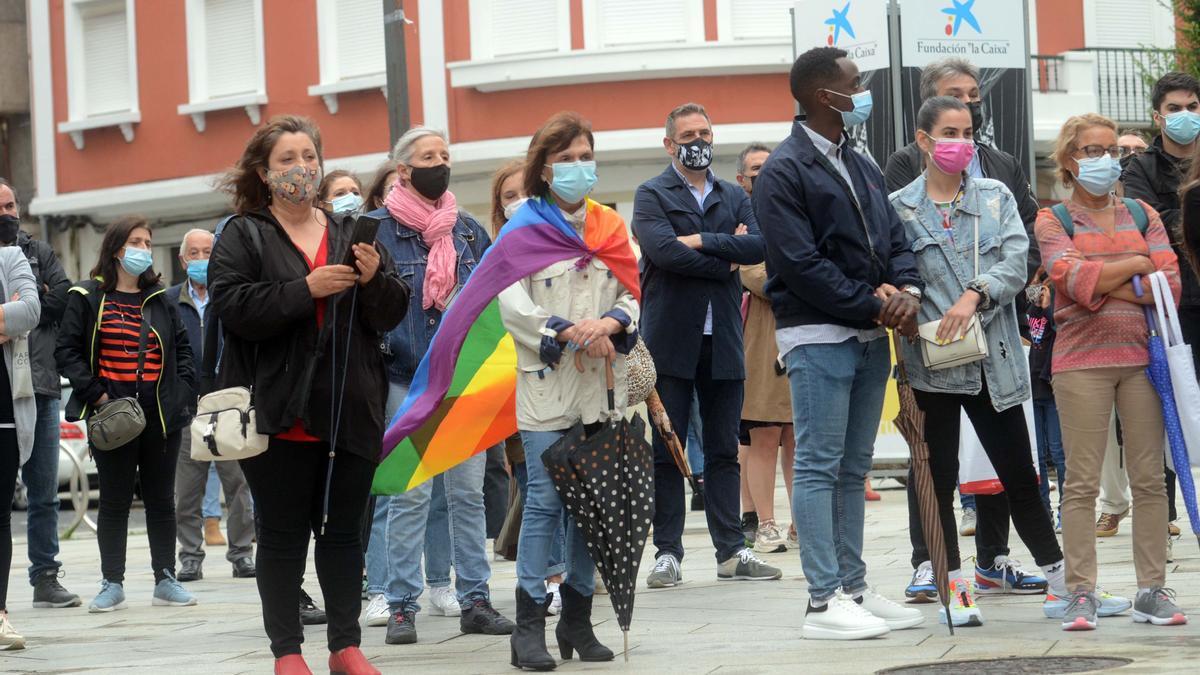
pixel 872 495
pixel 350 661
pixel 292 664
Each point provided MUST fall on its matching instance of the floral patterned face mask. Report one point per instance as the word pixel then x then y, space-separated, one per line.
pixel 296 185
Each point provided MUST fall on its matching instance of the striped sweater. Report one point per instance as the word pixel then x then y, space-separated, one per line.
pixel 1097 331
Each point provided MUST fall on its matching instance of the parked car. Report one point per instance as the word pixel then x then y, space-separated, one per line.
pixel 72 439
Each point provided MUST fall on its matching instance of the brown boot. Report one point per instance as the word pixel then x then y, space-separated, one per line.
pixel 212 532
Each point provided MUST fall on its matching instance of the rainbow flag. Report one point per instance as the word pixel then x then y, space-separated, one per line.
pixel 462 399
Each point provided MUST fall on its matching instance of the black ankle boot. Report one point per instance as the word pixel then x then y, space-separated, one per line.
pixel 574 631
pixel 529 638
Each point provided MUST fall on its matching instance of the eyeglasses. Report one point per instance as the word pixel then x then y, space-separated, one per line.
pixel 1130 150
pixel 1096 151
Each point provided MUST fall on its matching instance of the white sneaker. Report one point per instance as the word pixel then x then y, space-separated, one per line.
pixel 768 538
pixel 966 527
pixel 377 613
pixel 896 616
pixel 555 598
pixel 10 639
pixel 443 601
pixel 842 619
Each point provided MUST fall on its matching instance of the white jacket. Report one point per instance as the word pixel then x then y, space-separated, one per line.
pixel 20 317
pixel 553 399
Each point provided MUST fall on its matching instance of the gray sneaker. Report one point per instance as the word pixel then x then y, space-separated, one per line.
pixel 1081 611
pixel 170 593
pixel 745 566
pixel 402 627
pixel 1157 606
pixel 666 572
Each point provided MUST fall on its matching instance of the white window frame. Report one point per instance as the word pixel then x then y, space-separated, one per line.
pixel 1164 21
pixel 481 29
pixel 725 27
pixel 332 83
pixel 200 102
pixel 591 26
pixel 77 119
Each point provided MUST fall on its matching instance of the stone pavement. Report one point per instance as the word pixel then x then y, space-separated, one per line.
pixel 703 626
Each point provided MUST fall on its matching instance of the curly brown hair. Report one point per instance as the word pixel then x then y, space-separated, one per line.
pixel 115 236
pixel 375 192
pixel 555 135
pixel 242 182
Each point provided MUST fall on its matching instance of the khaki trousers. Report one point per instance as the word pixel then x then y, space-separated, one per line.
pixel 1085 405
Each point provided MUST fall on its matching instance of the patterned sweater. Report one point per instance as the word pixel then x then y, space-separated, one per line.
pixel 1097 331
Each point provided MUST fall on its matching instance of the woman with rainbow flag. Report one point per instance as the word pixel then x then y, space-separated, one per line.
pixel 588 301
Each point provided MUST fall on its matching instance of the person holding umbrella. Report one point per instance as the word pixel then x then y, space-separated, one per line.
pixel 970 247
pixel 574 304
pixel 1093 247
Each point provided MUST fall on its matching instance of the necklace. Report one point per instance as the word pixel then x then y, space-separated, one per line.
pixel 1094 210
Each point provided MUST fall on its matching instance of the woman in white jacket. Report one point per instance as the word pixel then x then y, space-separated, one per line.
pixel 18 410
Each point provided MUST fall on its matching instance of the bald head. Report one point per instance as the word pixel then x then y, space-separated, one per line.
pixel 196 245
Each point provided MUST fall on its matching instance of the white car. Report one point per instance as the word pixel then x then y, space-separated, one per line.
pixel 72 439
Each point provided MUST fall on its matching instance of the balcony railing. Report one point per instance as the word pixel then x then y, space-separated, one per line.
pixel 1124 78
pixel 1048 71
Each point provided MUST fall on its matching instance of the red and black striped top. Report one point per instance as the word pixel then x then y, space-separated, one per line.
pixel 120 327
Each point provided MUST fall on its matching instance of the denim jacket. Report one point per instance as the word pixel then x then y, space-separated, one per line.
pixel 947 267
pixel 406 344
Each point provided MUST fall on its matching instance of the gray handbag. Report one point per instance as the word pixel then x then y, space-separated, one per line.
pixel 121 420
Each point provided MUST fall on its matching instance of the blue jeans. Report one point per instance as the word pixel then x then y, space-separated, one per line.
pixel 437 536
pixel 966 501
pixel 837 399
pixel 405 517
pixel 211 508
pixel 695 446
pixel 556 566
pixel 1050 449
pixel 541 519
pixel 40 475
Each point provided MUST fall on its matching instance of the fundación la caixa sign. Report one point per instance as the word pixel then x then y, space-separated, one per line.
pixel 989 33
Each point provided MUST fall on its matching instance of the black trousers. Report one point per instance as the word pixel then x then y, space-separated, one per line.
pixel 288 484
pixel 10 460
pixel 148 462
pixel 1005 439
pixel 721 410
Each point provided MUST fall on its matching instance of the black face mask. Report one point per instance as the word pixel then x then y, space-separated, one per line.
pixel 431 181
pixel 976 108
pixel 696 155
pixel 9 227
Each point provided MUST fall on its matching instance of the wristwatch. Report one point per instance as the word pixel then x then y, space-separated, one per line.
pixel 913 291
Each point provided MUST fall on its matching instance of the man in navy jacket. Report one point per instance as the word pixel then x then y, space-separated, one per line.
pixel 840 271
pixel 695 231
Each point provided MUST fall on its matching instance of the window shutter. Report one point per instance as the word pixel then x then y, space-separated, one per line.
pixel 106 62
pixel 525 26
pixel 761 19
pixel 633 22
pixel 1125 23
pixel 230 48
pixel 359 43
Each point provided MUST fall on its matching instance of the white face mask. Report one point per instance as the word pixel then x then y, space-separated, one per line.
pixel 513 206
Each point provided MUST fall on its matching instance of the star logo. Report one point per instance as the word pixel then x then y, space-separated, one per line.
pixel 958 14
pixel 838 23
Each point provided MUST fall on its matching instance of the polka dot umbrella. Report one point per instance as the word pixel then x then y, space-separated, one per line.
pixel 605 478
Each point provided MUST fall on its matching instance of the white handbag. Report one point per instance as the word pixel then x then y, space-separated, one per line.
pixel 970 347
pixel 22 375
pixel 224 427
pixel 1183 371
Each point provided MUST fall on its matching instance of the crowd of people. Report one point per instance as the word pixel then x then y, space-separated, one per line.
pixel 765 305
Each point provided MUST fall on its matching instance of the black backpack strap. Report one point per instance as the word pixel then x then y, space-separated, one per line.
pixel 143 338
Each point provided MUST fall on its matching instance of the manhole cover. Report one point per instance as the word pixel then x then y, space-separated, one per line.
pixel 1031 664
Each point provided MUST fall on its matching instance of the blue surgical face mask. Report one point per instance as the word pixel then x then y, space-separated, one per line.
pixel 573 180
pixel 197 271
pixel 136 260
pixel 862 107
pixel 347 203
pixel 1182 127
pixel 1098 175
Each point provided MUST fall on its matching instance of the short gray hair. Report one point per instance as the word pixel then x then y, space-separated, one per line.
pixel 403 151
pixel 189 233
pixel 683 111
pixel 746 152
pixel 937 71
pixel 933 108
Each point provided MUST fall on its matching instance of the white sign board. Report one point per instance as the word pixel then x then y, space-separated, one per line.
pixel 988 33
pixel 860 27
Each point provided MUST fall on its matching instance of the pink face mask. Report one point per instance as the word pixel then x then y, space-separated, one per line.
pixel 952 155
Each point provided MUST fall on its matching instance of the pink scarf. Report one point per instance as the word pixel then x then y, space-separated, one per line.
pixel 434 223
